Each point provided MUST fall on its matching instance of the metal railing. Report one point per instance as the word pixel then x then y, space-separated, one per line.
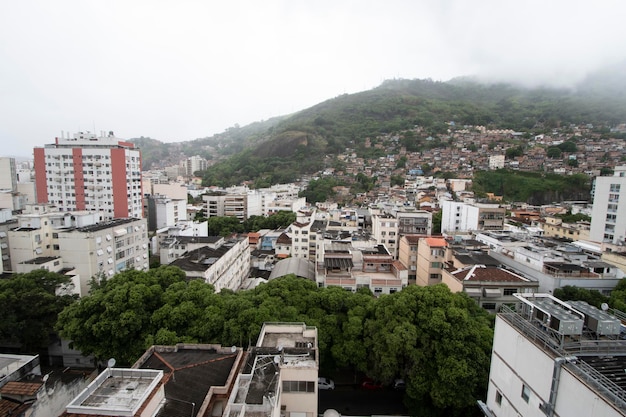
pixel 554 343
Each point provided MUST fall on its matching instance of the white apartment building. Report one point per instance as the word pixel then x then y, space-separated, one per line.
pixel 224 266
pixel 496 162
pixel 552 358
pixel 386 232
pixel 165 212
pixel 90 172
pixel 13 195
pixel 457 217
pixel 105 248
pixel 282 377
pixel 193 164
pixel 240 204
pixel 8 174
pixel 86 243
pixel 608 216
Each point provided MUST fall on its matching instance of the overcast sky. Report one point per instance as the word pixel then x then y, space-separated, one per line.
pixel 180 70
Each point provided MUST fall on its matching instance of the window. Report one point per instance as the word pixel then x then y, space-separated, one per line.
pixel 298 386
pixel 489 306
pixel 436 264
pixel 615 188
pixel 435 276
pixel 525 393
pixel 498 398
pixel 510 291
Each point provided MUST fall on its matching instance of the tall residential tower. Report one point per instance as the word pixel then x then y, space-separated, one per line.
pixel 90 172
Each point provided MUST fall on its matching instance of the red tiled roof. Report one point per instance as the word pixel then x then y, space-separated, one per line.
pixel 20 388
pixel 436 242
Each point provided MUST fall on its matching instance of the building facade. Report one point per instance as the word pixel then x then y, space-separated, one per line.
pixel 457 217
pixel 552 358
pixel 431 258
pixel 608 216
pixel 90 172
pixel 281 376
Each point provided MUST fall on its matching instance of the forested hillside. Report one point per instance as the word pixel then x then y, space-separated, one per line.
pixel 300 143
pixel 285 148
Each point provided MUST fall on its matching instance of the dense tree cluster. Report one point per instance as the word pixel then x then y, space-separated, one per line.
pixel 29 308
pixel 438 341
pixel 533 187
pixel 227 225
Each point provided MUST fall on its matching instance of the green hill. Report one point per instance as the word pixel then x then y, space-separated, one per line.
pixel 283 149
pixel 298 144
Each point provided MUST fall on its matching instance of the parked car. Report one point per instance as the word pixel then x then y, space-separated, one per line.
pixel 399 384
pixel 370 384
pixel 325 383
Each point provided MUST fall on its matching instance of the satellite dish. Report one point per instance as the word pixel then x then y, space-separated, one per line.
pixel 277 359
pixel 111 363
pixel 45 378
pixel 280 348
pixel 233 348
pixel 604 306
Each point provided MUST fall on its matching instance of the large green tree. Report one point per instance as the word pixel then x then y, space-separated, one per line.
pixel 29 308
pixel 438 341
pixel 115 319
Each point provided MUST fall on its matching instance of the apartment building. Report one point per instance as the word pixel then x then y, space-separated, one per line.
pixel 386 232
pixel 280 377
pixel 353 268
pixel 105 248
pixel 608 220
pixel 552 358
pixel 555 227
pixel 460 217
pixel 224 266
pixel 7 222
pixel 489 286
pixel 86 243
pixel 13 195
pixel 431 258
pixel 90 172
pixel 193 164
pixel 414 222
pixel 407 254
pixel 164 212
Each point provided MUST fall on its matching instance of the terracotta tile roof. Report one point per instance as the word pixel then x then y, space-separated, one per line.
pixel 20 388
pixel 436 242
pixel 8 408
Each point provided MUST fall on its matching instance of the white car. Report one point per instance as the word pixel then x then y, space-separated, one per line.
pixel 325 383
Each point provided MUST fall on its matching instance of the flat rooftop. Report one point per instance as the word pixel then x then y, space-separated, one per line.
pixel 116 392
pixel 574 329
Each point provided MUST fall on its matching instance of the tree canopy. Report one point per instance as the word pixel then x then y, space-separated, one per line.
pixel 438 341
pixel 29 308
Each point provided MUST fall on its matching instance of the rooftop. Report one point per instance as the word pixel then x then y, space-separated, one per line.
pixel 41 260
pixel 116 392
pixel 105 225
pixel 189 374
pixel 482 273
pixel 590 338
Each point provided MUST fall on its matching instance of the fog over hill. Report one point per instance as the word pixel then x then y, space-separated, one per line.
pixel 329 126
